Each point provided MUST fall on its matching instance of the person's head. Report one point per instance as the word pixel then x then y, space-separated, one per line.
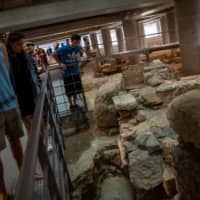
pixel 15 42
pixel 75 40
pixel 3 38
pixel 29 47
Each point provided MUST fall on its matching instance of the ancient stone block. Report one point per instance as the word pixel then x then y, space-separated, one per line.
pixel 150 97
pixel 126 102
pixel 134 76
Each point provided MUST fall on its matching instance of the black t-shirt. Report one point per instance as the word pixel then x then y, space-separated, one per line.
pixel 23 83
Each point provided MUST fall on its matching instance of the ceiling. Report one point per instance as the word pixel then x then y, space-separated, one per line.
pixel 11 4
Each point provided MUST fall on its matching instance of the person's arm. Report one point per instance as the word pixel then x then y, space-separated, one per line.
pixel 2 46
pixel 56 57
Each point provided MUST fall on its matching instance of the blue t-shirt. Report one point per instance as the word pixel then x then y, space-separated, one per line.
pixel 8 100
pixel 70 57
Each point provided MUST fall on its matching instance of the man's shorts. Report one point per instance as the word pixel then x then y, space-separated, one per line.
pixel 10 126
pixel 73 84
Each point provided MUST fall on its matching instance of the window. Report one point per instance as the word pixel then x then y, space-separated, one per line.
pixel 113 35
pixel 152 29
pixel 100 40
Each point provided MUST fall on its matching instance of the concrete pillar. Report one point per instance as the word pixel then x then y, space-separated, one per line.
pixel 141 35
pixel 172 27
pixel 94 41
pixel 164 29
pixel 188 19
pixel 120 39
pixel 107 42
pixel 132 38
pixel 131 34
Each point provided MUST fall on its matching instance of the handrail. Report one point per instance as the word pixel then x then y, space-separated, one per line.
pixel 36 150
pixel 140 51
pixel 30 157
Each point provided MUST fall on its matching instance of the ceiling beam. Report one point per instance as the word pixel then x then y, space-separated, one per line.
pixel 51 13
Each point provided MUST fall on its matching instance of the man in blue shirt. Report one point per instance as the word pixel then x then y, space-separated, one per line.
pixel 68 57
pixel 10 121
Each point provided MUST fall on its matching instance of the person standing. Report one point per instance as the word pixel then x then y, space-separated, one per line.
pixel 87 46
pixel 68 58
pixel 24 77
pixel 10 121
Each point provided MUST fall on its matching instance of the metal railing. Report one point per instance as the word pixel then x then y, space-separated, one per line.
pixel 60 94
pixel 45 131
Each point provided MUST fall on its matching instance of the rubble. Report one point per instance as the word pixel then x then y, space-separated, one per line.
pixel 148 146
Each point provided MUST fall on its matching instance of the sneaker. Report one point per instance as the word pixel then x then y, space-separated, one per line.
pixel 71 108
pixel 76 107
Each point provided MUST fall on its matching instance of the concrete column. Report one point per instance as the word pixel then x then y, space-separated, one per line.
pixel 141 35
pixel 107 42
pixel 164 29
pixel 120 38
pixel 172 27
pixel 132 38
pixel 93 38
pixel 131 34
pixel 188 18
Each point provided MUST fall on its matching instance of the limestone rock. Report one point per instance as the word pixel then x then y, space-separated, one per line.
pixel 106 116
pixel 141 140
pixel 127 131
pixel 155 81
pixel 134 76
pixel 83 166
pixel 133 121
pixel 171 89
pixel 152 144
pixel 142 128
pixel 163 134
pixel 187 166
pixel 125 102
pixel 159 120
pixel 147 76
pixel 156 65
pixel 150 97
pixel 169 181
pixel 113 131
pixel 148 142
pixel 140 118
pixel 184 115
pixel 146 174
pixel 87 171
pixel 116 188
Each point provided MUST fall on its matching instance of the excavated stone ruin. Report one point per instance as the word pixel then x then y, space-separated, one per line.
pixel 135 145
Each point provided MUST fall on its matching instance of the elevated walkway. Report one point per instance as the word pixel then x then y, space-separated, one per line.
pixel 46 128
